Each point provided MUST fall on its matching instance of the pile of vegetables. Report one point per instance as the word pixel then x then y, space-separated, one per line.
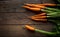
pixel 53 15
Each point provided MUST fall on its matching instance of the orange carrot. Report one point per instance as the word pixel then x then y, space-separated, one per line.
pixel 33 9
pixel 41 14
pixel 26 7
pixel 46 4
pixel 36 6
pixel 29 27
pixel 40 19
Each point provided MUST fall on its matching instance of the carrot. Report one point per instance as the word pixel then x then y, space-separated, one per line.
pixel 36 6
pixel 41 14
pixel 40 19
pixel 43 18
pixel 46 4
pixel 33 9
pixel 29 27
pixel 26 7
pixel 40 31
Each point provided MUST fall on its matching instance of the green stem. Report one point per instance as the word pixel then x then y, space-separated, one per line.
pixel 51 13
pixel 45 32
pixel 47 11
pixel 52 9
pixel 57 25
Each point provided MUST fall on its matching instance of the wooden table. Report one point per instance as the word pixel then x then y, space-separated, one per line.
pixel 13 18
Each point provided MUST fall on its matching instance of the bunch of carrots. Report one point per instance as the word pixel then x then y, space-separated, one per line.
pixel 47 14
pixel 44 8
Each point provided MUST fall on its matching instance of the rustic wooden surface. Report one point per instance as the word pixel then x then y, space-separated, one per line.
pixel 13 18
